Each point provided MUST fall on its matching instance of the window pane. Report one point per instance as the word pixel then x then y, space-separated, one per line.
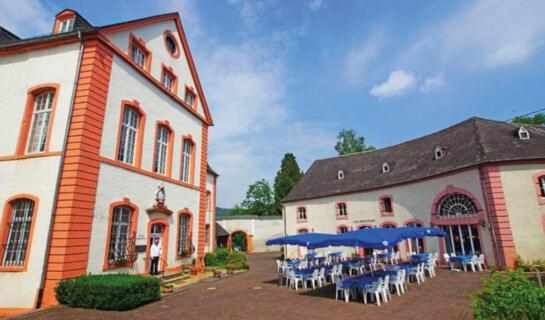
pixel 129 129
pixel 120 235
pixel 40 122
pixel 186 160
pixel 161 150
pixel 19 225
pixel 183 241
pixel 542 185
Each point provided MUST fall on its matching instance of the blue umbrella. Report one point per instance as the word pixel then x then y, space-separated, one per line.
pixel 303 239
pixel 374 238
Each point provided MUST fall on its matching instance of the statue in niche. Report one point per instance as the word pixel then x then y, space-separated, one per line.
pixel 160 196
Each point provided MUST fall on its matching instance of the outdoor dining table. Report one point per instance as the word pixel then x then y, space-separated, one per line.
pixel 359 281
pixel 420 257
pixel 463 259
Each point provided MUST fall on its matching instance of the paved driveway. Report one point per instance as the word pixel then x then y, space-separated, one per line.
pixel 237 297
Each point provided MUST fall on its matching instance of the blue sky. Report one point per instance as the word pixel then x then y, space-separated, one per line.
pixel 286 76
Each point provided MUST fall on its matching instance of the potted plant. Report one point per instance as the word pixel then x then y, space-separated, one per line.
pixel 167 288
pixel 193 269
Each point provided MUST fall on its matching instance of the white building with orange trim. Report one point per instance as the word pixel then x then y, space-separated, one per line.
pixel 94 119
pixel 481 181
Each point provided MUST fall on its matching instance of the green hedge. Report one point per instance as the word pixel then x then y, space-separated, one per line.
pixel 108 292
pixel 509 295
pixel 222 258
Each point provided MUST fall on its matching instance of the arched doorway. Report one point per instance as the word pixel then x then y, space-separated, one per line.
pixel 158 228
pixel 240 240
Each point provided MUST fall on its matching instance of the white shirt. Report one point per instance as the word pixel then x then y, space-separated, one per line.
pixel 156 250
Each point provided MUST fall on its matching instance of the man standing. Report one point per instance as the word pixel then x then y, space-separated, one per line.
pixel 155 252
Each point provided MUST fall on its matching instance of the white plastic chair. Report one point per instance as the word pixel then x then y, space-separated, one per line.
pixel 396 282
pixel 416 273
pixel 313 278
pixel 481 263
pixel 294 279
pixel 331 274
pixel 447 260
pixel 472 262
pixel 321 277
pixel 374 288
pixel 340 288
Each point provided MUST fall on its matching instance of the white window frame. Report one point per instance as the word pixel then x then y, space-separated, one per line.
pixel 120 234
pixel 438 153
pixel 138 55
pixel 67 25
pixel 385 167
pixel 340 175
pixel 301 214
pixel 189 98
pixel 41 117
pixel 129 135
pixel 523 133
pixel 16 245
pixel 183 232
pixel 168 80
pixel 186 160
pixel 161 150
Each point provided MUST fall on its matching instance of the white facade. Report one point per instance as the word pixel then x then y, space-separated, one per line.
pixel 258 228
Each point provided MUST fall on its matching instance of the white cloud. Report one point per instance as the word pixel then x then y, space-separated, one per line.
pixel 315 4
pixel 358 60
pixel 25 18
pixel 486 34
pixel 432 83
pixel 398 83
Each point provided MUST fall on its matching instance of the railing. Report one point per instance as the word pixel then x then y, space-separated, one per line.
pixel 457 215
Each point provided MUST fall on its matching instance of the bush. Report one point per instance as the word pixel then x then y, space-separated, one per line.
pixel 528 265
pixel 108 292
pixel 236 261
pixel 221 256
pixel 509 296
pixel 210 260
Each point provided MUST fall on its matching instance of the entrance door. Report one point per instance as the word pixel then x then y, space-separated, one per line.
pixel 462 239
pixel 156 231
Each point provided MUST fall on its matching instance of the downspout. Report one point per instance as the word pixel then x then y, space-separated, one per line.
pixel 489 217
pixel 285 230
pixel 59 175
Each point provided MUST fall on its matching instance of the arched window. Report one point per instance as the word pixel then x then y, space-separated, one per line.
pixel 342 229
pixel 37 123
pixel 302 231
pixel 129 135
pixel 187 160
pixel 385 167
pixel 16 233
pixel 341 210
pixel 120 235
pixel 163 146
pixel 301 214
pixel 340 175
pixel 184 235
pixel 456 205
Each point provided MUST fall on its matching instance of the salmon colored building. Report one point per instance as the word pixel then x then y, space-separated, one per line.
pixel 104 147
pixel 481 181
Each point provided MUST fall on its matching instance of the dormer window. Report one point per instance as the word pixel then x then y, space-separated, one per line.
pixel 67 25
pixel 523 133
pixel 340 175
pixel 438 153
pixel 385 167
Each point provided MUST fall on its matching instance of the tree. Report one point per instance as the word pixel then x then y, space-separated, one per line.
pixel 286 178
pixel 236 211
pixel 348 143
pixel 259 199
pixel 538 119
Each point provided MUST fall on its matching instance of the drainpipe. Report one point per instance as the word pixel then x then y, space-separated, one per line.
pixel 489 217
pixel 285 231
pixel 58 184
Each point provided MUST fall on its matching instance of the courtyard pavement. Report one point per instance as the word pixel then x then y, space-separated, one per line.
pixel 256 295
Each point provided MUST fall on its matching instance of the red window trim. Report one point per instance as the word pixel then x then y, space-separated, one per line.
pixel 6 217
pixel 540 199
pixel 189 231
pixel 385 223
pixel 133 40
pixel 342 226
pixel 337 215
pixel 297 214
pixel 67 14
pixel 140 136
pixel 436 221
pixel 383 212
pixel 28 113
pixel 134 221
pixel 170 72
pixel 191 91
pixel 169 33
pixel 189 138
pixel 298 230
pixel 170 148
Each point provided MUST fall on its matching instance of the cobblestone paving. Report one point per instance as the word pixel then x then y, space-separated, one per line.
pixel 256 295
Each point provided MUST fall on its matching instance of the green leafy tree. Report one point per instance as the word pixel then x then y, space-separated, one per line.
pixel 259 199
pixel 348 142
pixel 286 178
pixel 236 211
pixel 538 119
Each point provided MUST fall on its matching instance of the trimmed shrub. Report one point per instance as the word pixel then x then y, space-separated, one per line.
pixel 210 260
pixel 108 292
pixel 509 295
pixel 221 256
pixel 236 261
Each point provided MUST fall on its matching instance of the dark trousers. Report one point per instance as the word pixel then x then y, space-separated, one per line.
pixel 154 266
